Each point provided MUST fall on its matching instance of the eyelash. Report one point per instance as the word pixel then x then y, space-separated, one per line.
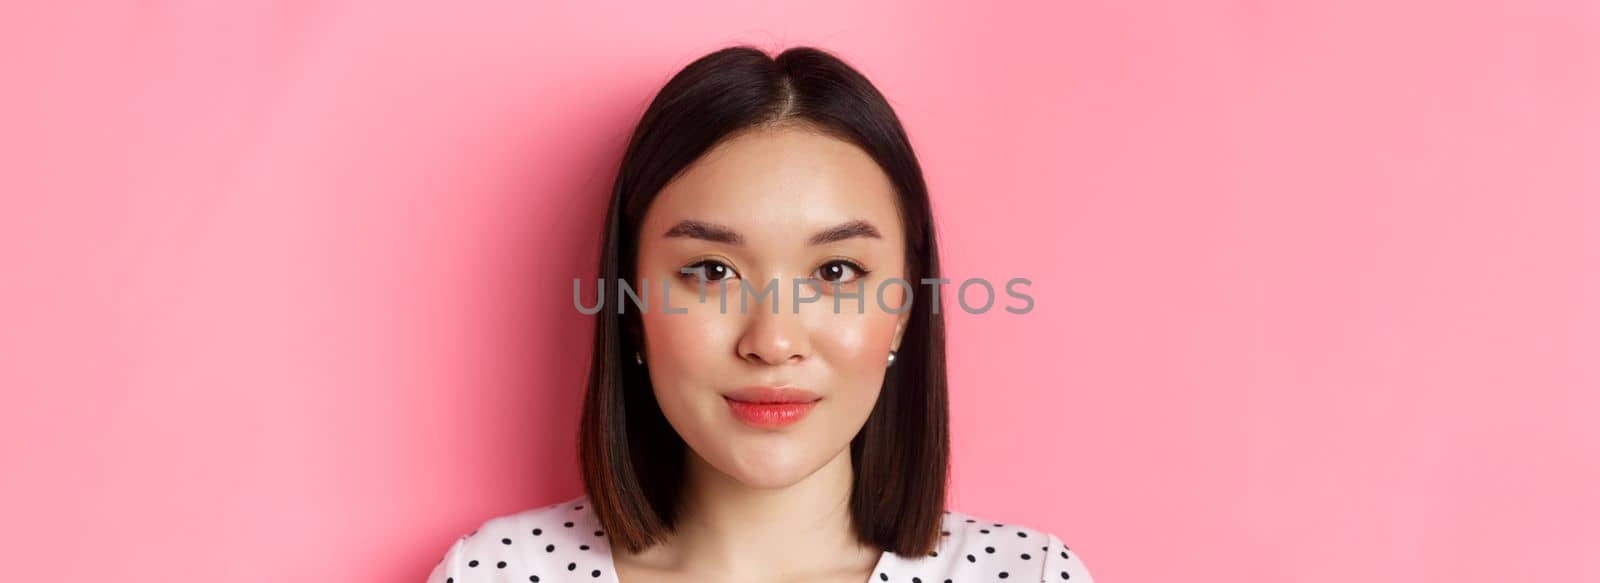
pixel 860 271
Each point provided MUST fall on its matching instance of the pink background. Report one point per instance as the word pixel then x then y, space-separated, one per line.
pixel 286 286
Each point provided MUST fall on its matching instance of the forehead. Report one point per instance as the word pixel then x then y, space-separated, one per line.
pixel 779 184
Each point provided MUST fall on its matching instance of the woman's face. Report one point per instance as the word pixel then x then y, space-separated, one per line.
pixel 757 212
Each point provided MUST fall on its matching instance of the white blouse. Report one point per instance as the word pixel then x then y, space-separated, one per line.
pixel 564 542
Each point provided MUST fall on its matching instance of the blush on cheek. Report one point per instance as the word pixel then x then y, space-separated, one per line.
pixel 893 298
pixel 684 344
pixel 861 340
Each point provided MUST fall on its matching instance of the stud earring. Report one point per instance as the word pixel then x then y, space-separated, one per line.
pixel 891 358
pixel 637 358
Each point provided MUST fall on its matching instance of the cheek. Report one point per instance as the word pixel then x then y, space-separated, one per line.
pixel 861 341
pixel 677 344
pixel 858 340
pixel 680 346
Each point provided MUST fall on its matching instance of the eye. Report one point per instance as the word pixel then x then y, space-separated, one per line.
pixel 708 270
pixel 840 271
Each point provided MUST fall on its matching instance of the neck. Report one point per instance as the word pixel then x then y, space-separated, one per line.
pixel 734 531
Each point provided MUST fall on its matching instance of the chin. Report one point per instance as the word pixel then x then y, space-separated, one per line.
pixel 768 467
pixel 773 478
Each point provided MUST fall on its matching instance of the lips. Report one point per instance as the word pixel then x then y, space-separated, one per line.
pixel 769 415
pixel 770 395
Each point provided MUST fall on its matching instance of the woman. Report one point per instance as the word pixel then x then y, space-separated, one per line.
pixel 768 408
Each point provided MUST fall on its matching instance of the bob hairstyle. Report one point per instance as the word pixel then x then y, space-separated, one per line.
pixel 631 457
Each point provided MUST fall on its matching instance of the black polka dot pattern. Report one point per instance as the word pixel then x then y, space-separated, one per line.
pixel 971 549
pixel 564 542
pixel 549 544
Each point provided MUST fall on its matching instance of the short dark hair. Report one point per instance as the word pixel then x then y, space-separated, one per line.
pixel 631 457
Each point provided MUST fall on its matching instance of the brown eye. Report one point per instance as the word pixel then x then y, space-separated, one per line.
pixel 840 271
pixel 708 270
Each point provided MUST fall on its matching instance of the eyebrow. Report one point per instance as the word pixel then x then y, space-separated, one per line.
pixel 693 229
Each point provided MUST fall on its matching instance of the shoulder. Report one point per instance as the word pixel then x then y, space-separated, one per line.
pixel 561 537
pixel 984 549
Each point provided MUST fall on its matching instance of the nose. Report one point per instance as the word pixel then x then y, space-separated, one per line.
pixel 771 338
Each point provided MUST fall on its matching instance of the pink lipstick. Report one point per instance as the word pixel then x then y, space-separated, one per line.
pixel 770 407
